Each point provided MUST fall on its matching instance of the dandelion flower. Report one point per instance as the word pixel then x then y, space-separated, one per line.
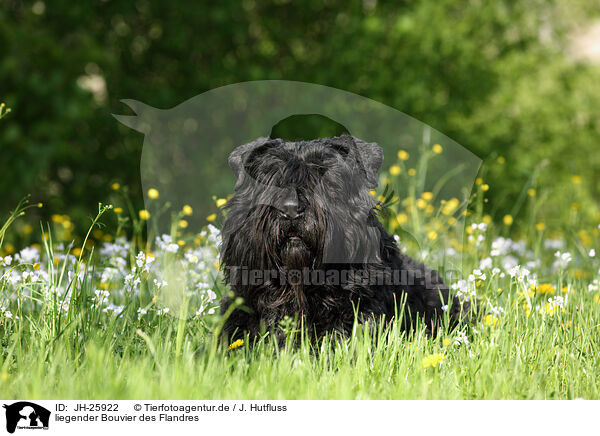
pixel 446 342
pixel 153 193
pixel 118 210
pixel 546 288
pixel 491 320
pixel 211 217
pixel 478 181
pixel 540 226
pixel 531 192
pixel 437 149
pixel 412 172
pixel 576 179
pixel 501 160
pixel 115 186
pixel 187 210
pixel 432 235
pixel 508 220
pixel 235 345
pixel 36 266
pixel 221 202
pixel 402 218
pixel 485 187
pixel 432 360
pixel 395 170
pixel 403 155
pixel 427 196
pixel 183 224
pixel 144 215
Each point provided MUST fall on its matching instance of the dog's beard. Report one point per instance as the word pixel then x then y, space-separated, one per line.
pixel 296 257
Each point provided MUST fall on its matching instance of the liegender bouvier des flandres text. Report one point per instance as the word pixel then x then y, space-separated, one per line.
pixel 301 238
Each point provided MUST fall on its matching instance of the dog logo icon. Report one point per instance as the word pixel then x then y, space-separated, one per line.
pixel 26 415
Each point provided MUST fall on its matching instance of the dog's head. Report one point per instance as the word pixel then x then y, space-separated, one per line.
pixel 302 204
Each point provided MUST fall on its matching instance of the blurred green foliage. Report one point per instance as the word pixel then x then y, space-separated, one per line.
pixel 495 76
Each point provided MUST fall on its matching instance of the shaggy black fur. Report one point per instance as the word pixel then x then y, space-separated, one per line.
pixel 301 237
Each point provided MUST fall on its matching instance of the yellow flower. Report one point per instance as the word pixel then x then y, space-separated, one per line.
pixel 421 203
pixel 565 290
pixel 485 187
pixel 412 172
pixel 4 376
pixel 432 360
pixel 427 196
pixel 36 266
pixel 429 208
pixel 446 342
pixel 597 299
pixel 478 181
pixel 540 226
pixel 508 220
pixel 153 193
pixel 57 218
pixel 104 286
pixel 531 192
pixel 395 170
pixel 115 186
pixel 432 235
pixel 144 215
pixel 437 149
pixel 187 210
pixel 97 233
pixel 211 217
pixel 118 210
pixel 372 193
pixel 576 179
pixel 401 218
pixel 154 298
pixel 403 155
pixel 40 205
pixel 183 224
pixel 575 206
pixel 546 288
pixel 450 206
pixel 487 219
pixel 235 345
pixel 501 160
pixel 490 320
pixel 221 202
pixel 76 252
pixel 181 242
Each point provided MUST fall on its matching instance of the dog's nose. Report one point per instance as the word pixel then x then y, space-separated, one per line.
pixel 291 209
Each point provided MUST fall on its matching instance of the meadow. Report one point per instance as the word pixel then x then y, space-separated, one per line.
pixel 127 314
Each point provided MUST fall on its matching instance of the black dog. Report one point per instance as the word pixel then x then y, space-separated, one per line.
pixel 301 237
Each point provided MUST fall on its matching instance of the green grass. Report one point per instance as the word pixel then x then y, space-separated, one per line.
pixel 521 358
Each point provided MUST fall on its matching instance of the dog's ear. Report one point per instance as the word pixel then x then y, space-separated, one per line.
pixel 370 157
pixel 238 157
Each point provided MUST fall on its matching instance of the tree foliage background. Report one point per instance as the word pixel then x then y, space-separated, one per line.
pixel 498 77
